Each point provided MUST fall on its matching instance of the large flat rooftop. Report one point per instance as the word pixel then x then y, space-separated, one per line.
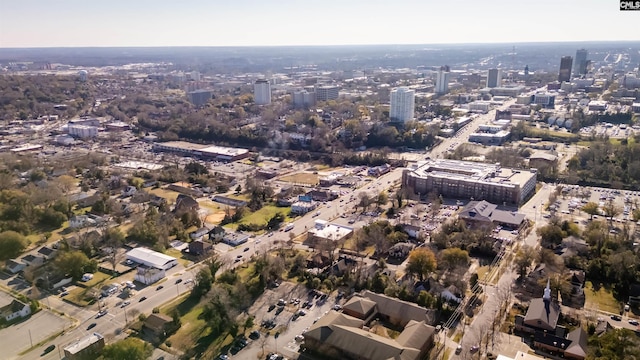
pixel 83 343
pixel 203 148
pixel 471 171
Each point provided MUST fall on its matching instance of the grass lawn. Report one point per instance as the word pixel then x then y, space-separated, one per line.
pixel 170 195
pixel 263 215
pixel 301 178
pixel 482 272
pixel 191 328
pixel 457 337
pixel 98 278
pixel 77 297
pixel 240 196
pixel 178 255
pixel 82 211
pixel 602 299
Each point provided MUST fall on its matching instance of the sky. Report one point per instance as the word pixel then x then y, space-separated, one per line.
pixel 75 23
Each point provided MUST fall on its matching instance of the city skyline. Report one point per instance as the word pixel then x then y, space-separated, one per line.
pixel 38 23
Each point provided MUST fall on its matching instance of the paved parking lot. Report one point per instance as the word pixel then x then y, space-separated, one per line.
pixel 18 337
pixel 568 206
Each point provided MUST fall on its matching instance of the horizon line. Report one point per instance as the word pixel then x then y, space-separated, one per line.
pixel 315 45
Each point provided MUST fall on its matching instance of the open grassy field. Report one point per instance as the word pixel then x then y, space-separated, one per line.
pixel 263 215
pixel 194 332
pixel 601 299
pixel 78 296
pixel 178 255
pixel 214 210
pixel 55 235
pixel 170 195
pixel 301 178
pixel 98 278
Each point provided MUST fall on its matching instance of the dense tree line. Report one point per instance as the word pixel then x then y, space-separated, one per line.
pixel 604 162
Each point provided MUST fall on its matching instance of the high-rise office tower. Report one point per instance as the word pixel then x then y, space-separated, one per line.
pixel 494 78
pixel 580 66
pixel 442 80
pixel 262 92
pixel 402 104
pixel 565 69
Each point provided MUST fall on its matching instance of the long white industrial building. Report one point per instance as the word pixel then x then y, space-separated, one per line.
pixel 151 258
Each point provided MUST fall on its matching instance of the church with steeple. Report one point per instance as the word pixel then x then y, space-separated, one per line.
pixel 542 315
pixel 541 321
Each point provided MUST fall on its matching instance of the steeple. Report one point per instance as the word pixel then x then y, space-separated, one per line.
pixel 547 292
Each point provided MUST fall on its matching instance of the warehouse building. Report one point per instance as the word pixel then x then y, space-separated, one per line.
pixel 151 258
pixel 210 152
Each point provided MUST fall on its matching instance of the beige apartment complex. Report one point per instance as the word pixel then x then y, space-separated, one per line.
pixel 470 180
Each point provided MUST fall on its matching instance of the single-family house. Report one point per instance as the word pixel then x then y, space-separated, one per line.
pixel 15 310
pixel 216 234
pixel 185 203
pixel 47 252
pixel 158 325
pixel 197 234
pixel 13 266
pixel 32 260
pixel 200 247
pixel 634 295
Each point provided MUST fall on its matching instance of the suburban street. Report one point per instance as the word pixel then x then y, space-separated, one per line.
pixel 111 324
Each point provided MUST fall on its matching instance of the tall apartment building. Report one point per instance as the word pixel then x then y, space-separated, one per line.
pixel 199 97
pixel 442 80
pixel 262 92
pixel 565 69
pixel 580 66
pixel 402 104
pixel 470 180
pixel 303 99
pixel 494 78
pixel 327 92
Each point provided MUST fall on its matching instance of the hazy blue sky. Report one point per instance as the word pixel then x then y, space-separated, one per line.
pixel 38 23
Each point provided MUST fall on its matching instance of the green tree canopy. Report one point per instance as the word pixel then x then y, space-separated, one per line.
pixel 128 349
pixel 590 208
pixel 422 262
pixel 617 344
pixel 74 263
pixel 523 260
pixel 454 257
pixel 11 244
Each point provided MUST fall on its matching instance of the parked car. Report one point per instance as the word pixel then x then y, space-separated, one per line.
pixel 634 322
pixel 91 326
pixel 616 317
pixel 48 349
pixel 142 299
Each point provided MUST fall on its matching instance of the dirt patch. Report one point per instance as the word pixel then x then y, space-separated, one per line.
pixel 214 218
pixel 301 178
